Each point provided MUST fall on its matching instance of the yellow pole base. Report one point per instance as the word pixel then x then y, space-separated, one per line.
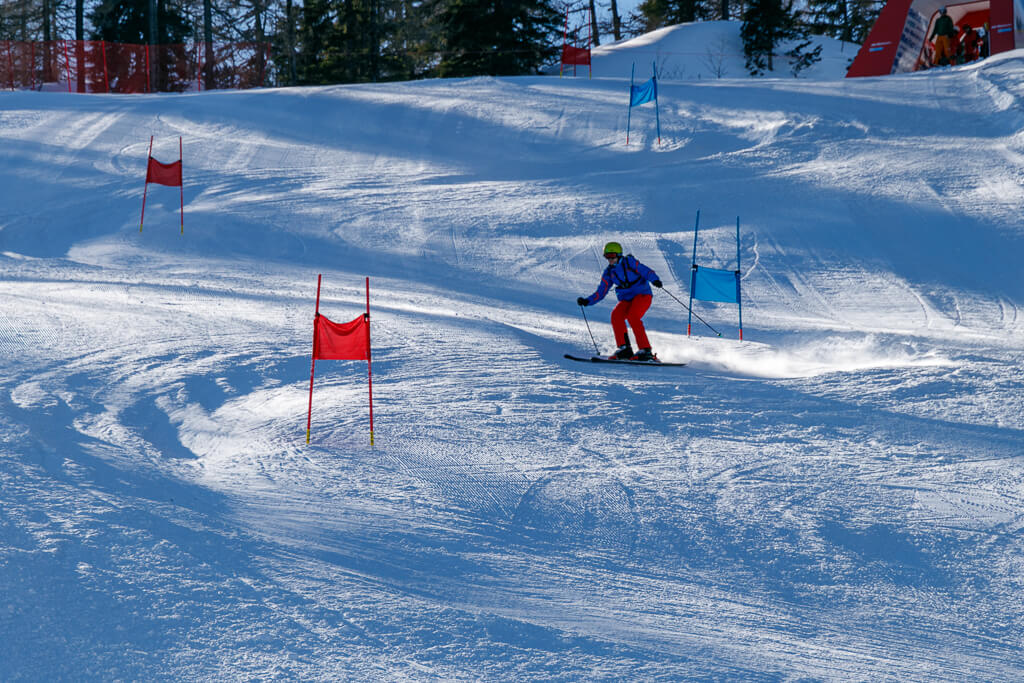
pixel 307 436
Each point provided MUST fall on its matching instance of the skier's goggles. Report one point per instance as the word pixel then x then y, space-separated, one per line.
pixel 612 254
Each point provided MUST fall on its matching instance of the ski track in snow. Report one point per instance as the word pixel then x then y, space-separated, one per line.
pixel 838 497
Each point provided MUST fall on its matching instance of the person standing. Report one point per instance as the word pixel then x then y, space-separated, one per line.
pixel 943 35
pixel 971 44
pixel 632 281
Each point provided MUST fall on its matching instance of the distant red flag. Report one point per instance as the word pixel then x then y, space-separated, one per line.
pixel 164 174
pixel 341 341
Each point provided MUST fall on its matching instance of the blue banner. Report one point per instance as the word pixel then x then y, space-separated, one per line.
pixel 641 94
pixel 712 284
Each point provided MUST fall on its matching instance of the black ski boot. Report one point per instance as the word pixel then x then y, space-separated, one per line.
pixel 624 352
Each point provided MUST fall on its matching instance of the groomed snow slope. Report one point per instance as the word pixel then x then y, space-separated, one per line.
pixel 838 497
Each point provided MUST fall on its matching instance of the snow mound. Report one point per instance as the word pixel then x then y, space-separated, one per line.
pixel 704 50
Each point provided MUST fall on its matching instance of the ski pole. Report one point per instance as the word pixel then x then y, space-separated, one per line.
pixel 596 350
pixel 694 314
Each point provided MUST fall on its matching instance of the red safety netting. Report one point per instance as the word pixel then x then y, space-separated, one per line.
pixel 102 67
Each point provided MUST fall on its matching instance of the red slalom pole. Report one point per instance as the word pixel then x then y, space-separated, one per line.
pixel 312 367
pixel 67 65
pixel 181 161
pixel 106 76
pixel 369 367
pixel 146 187
pixel 10 63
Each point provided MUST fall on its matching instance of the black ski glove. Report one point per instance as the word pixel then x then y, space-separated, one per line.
pixel 657 283
pixel 581 301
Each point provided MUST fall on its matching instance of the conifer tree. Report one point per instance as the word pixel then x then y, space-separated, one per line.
pixel 128 21
pixel 353 41
pixel 154 23
pixel 766 24
pixel 315 34
pixel 847 20
pixel 496 37
pixel 659 13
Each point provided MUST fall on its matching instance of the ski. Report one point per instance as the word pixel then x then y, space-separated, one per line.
pixel 623 361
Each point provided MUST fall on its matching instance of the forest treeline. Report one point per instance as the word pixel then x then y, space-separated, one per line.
pixel 315 42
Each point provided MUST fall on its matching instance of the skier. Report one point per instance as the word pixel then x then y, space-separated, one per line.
pixel 631 279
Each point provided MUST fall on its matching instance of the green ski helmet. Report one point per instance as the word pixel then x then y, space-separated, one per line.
pixel 613 248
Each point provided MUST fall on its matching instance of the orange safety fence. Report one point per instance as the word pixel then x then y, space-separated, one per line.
pixel 100 67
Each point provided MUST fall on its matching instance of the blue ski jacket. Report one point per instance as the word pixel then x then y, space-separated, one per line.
pixel 630 278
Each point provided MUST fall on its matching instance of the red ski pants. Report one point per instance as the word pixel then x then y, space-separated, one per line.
pixel 632 311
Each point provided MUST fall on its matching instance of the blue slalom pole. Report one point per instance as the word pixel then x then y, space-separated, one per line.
pixel 657 116
pixel 739 300
pixel 629 112
pixel 693 273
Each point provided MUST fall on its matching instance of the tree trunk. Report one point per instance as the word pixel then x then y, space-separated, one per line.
pixel 725 10
pixel 375 19
pixel 616 21
pixel 208 56
pixel 47 37
pixel 595 35
pixel 152 42
pixel 290 17
pixel 847 34
pixel 261 58
pixel 79 43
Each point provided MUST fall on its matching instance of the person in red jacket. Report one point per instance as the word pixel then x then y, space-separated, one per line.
pixel 971 43
pixel 631 279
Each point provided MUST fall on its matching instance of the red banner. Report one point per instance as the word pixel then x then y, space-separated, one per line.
pixel 340 341
pixel 164 174
pixel 575 55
